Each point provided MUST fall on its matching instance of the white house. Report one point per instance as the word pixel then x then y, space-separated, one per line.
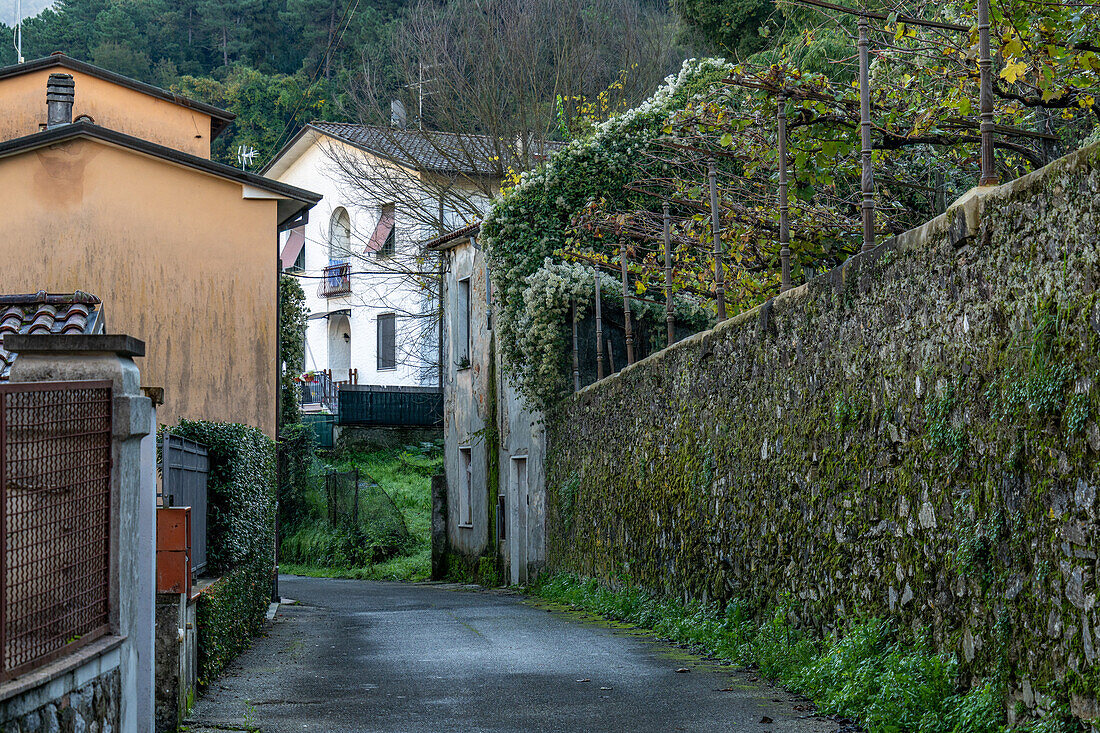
pixel 371 290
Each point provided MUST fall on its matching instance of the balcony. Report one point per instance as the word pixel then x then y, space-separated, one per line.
pixel 336 281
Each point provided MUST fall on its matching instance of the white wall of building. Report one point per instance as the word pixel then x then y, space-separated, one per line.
pixel 379 287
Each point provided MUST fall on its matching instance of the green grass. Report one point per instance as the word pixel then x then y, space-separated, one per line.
pixel 867 674
pixel 315 549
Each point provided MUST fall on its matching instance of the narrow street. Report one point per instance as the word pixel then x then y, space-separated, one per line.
pixel 354 656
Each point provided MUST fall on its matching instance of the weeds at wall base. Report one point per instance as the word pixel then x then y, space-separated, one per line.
pixel 870 674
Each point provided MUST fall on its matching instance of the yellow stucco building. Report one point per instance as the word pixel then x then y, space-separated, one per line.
pixel 108 188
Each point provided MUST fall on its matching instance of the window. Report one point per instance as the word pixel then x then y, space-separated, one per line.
pixel 300 262
pixel 502 521
pixel 387 341
pixel 462 328
pixel 389 247
pixel 339 236
pixel 466 490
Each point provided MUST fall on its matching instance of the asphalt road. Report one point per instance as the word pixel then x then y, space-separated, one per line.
pixel 354 656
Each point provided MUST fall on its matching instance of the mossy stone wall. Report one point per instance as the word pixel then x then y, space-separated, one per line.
pixel 913 435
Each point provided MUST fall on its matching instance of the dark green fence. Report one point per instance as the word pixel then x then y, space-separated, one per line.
pixel 322 425
pixel 390 406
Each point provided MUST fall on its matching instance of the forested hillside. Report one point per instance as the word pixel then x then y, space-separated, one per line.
pixel 279 63
pixel 265 60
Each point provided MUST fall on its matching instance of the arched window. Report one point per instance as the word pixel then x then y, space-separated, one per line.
pixel 339 236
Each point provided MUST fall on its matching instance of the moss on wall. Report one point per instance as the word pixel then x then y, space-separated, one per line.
pixel 913 435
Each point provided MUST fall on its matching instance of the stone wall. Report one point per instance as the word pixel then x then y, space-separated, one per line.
pixel 913 435
pixel 92 708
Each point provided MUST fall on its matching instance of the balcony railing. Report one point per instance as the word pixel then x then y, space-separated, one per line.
pixel 336 281
pixel 322 388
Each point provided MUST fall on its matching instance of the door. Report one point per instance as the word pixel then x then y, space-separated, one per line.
pixel 520 514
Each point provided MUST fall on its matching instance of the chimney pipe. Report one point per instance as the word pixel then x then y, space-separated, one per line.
pixel 59 100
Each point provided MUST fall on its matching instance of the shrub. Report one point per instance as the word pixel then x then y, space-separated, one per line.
pixel 229 614
pixel 866 673
pixel 240 492
pixel 532 222
pixel 297 444
pixel 240 539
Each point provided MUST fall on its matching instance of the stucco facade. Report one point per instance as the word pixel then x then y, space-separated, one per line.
pixel 111 101
pixel 182 252
pixel 343 329
pixel 494 445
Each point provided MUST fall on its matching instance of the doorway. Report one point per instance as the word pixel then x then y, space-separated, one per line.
pixel 339 347
pixel 519 531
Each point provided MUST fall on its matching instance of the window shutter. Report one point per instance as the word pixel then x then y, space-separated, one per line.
pixel 384 237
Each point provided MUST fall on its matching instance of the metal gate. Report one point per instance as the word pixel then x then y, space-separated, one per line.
pixel 184 469
pixel 55 520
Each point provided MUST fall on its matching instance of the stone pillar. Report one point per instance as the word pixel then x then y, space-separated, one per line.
pixel 49 357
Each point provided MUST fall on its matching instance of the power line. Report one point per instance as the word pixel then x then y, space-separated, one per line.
pixel 333 43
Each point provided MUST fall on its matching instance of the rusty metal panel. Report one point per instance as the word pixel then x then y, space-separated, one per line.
pixel 174 550
pixel 55 528
pixel 174 529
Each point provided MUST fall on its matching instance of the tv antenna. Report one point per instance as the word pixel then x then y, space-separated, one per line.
pixel 246 154
pixel 420 93
pixel 18 37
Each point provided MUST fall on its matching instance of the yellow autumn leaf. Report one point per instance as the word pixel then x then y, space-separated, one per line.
pixel 1012 72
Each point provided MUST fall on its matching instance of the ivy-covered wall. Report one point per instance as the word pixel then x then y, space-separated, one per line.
pixel 913 435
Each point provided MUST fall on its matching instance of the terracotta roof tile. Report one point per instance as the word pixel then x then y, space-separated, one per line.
pixel 44 312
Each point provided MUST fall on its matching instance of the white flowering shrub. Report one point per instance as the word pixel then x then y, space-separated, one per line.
pixel 526 230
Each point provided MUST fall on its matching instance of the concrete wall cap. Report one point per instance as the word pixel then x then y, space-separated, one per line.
pixel 74 344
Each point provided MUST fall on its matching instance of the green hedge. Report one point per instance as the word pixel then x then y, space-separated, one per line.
pixel 240 522
pixel 297 444
pixel 230 613
pixel 240 539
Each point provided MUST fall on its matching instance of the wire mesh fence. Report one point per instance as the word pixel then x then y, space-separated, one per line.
pixel 55 520
pixel 357 504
